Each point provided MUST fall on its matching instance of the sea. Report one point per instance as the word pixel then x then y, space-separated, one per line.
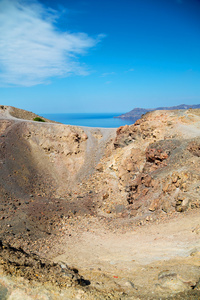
pixel 103 120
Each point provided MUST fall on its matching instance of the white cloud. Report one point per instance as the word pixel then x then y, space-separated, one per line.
pixel 32 49
pixel 108 74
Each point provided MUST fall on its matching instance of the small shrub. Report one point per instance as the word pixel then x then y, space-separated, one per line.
pixel 38 119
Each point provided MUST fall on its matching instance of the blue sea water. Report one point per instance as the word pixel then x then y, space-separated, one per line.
pixel 105 120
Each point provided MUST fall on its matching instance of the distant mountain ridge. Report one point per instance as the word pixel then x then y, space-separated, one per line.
pixel 136 113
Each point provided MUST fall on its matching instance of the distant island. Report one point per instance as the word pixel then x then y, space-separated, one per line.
pixel 136 113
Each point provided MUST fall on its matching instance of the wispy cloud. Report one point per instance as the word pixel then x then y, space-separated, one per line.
pixel 130 70
pixel 32 49
pixel 107 74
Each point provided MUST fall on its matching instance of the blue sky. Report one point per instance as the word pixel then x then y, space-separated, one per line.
pixel 99 56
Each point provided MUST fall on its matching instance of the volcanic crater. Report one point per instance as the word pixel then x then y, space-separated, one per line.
pixel 97 213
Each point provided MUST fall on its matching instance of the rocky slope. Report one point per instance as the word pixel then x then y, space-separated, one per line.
pixel 112 211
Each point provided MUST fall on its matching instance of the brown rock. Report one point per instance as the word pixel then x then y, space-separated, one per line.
pixel 84 137
pixel 194 148
pixel 105 196
pixel 99 167
pixel 144 191
pixel 147 181
pixel 130 166
pixel 166 206
pixel 155 155
pixel 154 204
pixel 165 187
pixel 174 177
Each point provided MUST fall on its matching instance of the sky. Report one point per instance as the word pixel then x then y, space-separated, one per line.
pixel 73 56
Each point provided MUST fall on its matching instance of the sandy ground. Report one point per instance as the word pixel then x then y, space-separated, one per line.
pixel 141 245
